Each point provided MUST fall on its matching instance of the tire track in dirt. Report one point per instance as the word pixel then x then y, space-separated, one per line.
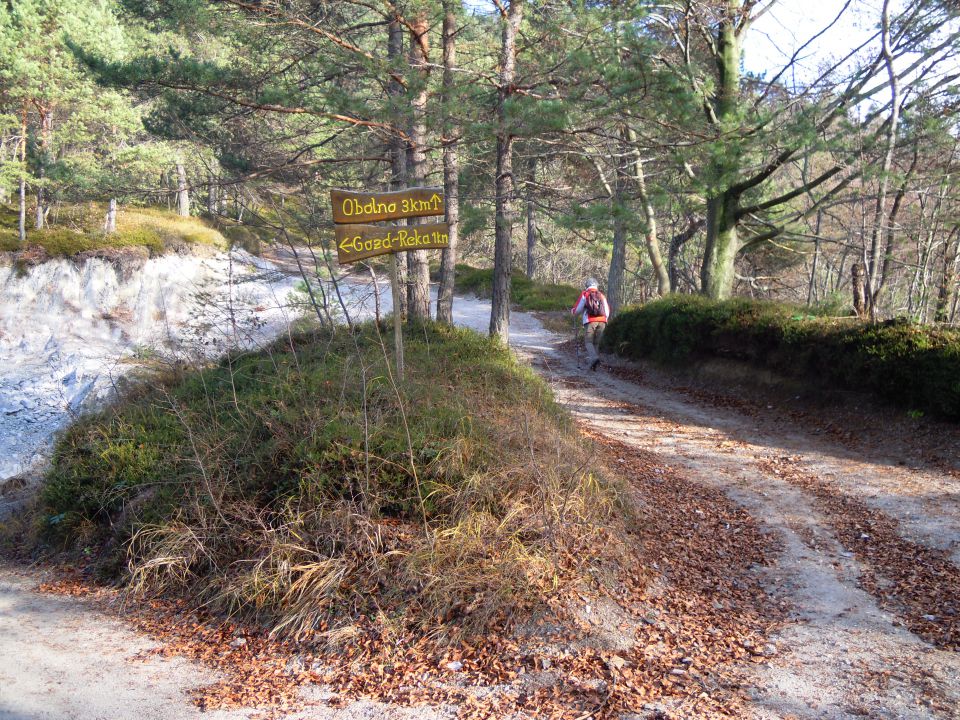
pixel 919 584
pixel 845 655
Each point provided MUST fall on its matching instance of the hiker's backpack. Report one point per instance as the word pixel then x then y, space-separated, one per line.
pixel 593 303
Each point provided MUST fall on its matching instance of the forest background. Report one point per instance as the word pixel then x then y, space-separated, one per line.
pixel 726 147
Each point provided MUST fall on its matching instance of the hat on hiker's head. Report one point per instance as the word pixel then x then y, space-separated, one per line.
pixel 590 283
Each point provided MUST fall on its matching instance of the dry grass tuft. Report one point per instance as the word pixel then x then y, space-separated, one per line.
pixel 300 487
pixel 79 228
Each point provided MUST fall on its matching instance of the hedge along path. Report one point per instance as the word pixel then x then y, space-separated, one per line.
pixel 845 654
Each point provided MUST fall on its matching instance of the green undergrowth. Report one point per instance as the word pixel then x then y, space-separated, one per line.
pixel 913 366
pixel 301 486
pixel 528 295
pixel 79 228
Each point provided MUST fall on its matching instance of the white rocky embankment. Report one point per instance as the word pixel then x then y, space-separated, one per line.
pixel 69 329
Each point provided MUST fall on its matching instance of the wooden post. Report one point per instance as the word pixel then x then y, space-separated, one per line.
pixel 397 320
pixel 356 240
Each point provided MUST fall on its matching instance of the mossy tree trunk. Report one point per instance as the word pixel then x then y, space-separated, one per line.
pixel 722 243
pixel 720 251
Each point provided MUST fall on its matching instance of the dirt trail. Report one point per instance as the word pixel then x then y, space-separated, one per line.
pixel 61 659
pixel 65 658
pixel 847 652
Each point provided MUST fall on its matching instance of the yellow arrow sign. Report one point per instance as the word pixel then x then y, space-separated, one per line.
pixel 357 242
pixel 363 207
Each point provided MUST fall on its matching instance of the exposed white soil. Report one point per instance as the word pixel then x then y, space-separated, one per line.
pixel 840 656
pixel 70 331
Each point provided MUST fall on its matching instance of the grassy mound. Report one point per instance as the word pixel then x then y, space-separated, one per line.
pixel 301 486
pixel 913 366
pixel 79 228
pixel 526 294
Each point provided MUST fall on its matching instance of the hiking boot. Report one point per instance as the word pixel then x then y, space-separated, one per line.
pixel 595 364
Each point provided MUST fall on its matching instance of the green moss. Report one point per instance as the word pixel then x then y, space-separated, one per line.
pixel 79 229
pixel 9 240
pixel 913 366
pixel 274 425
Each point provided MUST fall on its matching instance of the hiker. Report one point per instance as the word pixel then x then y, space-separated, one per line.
pixel 593 304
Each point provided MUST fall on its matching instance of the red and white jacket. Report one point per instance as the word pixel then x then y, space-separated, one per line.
pixel 580 307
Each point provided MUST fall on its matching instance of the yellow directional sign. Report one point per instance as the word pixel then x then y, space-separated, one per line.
pixel 356 242
pixel 364 207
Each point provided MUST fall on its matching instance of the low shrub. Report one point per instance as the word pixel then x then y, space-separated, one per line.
pixel 913 366
pixel 528 295
pixel 301 486
pixel 80 229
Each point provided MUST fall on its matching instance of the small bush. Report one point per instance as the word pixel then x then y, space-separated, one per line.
pixel 293 484
pixel 244 236
pixel 526 294
pixel 913 366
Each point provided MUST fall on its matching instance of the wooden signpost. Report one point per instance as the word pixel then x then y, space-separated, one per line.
pixel 357 240
pixel 363 207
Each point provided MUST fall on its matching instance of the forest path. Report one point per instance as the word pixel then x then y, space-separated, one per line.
pixel 870 535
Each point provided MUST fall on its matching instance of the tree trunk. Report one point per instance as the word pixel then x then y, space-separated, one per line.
pixel 183 191
pixel 874 281
pixel 720 251
pixel 211 197
pixel 859 291
pixel 503 246
pixel 38 215
pixel 110 224
pixel 948 281
pixel 398 156
pixel 620 207
pixel 418 285
pixel 531 219
pixel 722 244
pixel 43 145
pixel 650 231
pixel 812 285
pixel 22 224
pixel 676 245
pixel 451 165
